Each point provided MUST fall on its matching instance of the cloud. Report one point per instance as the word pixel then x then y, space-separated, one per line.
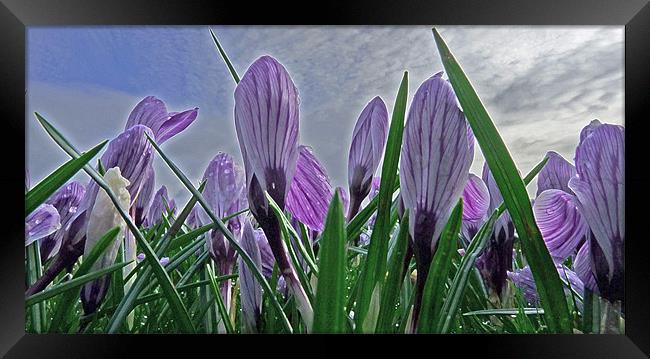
pixel 541 85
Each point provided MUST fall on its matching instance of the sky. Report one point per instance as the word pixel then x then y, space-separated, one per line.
pixel 541 85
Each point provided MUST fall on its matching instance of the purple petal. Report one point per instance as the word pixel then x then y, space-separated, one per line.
pixel 524 280
pixel 66 200
pixel 587 130
pixel 161 205
pixel 143 202
pixel 343 194
pixel 164 261
pixel 504 223
pixel 152 112
pixel 434 163
pixel 251 291
pixel 367 147
pixel 555 174
pixel 583 268
pixel 141 257
pixel 476 202
pixel 560 222
pixel 266 120
pixel 374 189
pixel 600 189
pixel 267 259
pixel 42 222
pixel 310 192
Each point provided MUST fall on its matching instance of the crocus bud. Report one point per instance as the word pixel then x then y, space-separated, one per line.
pixel 161 205
pixel 476 203
pixel 368 141
pixel 600 189
pixel 103 217
pixel 434 167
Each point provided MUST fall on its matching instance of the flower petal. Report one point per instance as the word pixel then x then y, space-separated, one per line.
pixel 583 268
pixel 560 222
pixel 310 191
pixel 176 124
pixel 504 223
pixel 160 205
pixel 44 221
pixel 251 290
pixel 555 174
pixel 152 112
pixel 266 120
pixel 476 202
pixel 367 147
pixel 66 200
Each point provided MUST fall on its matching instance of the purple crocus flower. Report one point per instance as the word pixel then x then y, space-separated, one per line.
pixel 160 205
pixel 364 237
pixel 496 259
pixel 266 120
pixel 368 141
pixel 582 267
pixel 434 166
pixel 600 189
pixel 66 200
pixel 224 191
pixel 555 174
pixel 310 191
pixel 152 112
pixel 44 221
pixel 476 203
pixel 250 289
pixel 523 279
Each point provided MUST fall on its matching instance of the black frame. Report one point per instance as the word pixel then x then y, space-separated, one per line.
pixel 15 15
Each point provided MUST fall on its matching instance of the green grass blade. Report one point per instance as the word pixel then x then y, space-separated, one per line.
pixel 35 271
pixel 74 283
pixel 355 226
pixel 393 284
pixel 44 189
pixel 434 288
pixel 229 236
pixel 375 265
pixel 329 306
pixel 180 312
pixel 461 278
pixel 65 305
pixel 514 194
pixel 225 57
pixel 217 295
pixel 506 311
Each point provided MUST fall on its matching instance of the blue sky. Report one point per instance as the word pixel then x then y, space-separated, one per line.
pixel 540 84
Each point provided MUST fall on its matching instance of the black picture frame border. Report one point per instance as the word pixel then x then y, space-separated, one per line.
pixel 15 15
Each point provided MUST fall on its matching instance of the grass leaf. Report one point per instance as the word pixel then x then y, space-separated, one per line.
pixel 329 306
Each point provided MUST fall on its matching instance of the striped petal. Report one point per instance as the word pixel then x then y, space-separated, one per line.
pixel 160 205
pixel 310 191
pixel 600 189
pixel 266 120
pixel 434 163
pixel 523 279
pixel 476 202
pixel 66 200
pixel 583 268
pixel 555 174
pixel 42 222
pixel 367 147
pixel 152 112
pixel 503 226
pixel 145 197
pixel 560 222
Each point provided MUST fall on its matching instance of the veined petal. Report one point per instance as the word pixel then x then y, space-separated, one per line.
pixel 367 147
pixel 161 204
pixel 504 223
pixel 310 191
pixel 583 268
pixel 555 174
pixel 266 120
pixel 587 130
pixel 434 163
pixel 559 219
pixel 152 112
pixel 600 189
pixel 251 290
pixel 523 279
pixel 44 221
pixel 343 195
pixel 476 202
pixel 66 200
pixel 145 197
